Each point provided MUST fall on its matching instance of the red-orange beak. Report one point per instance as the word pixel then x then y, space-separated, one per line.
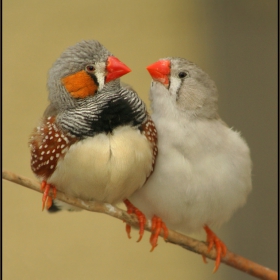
pixel 160 71
pixel 115 69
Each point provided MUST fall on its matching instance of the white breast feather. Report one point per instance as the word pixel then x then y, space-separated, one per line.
pixel 106 167
pixel 192 186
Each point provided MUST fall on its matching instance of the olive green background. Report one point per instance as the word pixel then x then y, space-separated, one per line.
pixel 234 41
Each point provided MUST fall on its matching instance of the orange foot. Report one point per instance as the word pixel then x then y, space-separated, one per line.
pixel 47 199
pixel 221 248
pixel 131 209
pixel 157 226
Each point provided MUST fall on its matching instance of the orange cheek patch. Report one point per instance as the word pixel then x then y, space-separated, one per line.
pixel 80 84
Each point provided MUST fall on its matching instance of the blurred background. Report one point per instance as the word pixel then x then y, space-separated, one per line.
pixel 235 42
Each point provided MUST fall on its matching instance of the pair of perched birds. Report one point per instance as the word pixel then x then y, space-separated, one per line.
pixel 182 166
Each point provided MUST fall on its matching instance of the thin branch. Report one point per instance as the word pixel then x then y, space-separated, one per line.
pixel 185 242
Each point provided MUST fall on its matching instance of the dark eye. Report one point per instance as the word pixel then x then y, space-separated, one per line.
pixel 90 68
pixel 182 75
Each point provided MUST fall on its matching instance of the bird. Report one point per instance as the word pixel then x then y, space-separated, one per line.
pixel 203 168
pixel 95 140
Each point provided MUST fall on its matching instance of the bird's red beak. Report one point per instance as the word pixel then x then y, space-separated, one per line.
pixel 115 69
pixel 160 71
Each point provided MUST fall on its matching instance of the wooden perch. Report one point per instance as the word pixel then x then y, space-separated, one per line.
pixel 185 242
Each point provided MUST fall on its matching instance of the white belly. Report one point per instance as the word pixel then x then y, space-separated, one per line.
pixel 106 167
pixel 197 180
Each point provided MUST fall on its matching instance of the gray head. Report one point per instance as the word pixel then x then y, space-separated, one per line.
pixel 80 72
pixel 180 85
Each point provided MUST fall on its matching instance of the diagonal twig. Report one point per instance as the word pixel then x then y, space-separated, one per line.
pixel 185 242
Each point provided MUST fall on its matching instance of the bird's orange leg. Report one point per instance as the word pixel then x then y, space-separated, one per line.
pixel 221 248
pixel 47 199
pixel 157 226
pixel 131 209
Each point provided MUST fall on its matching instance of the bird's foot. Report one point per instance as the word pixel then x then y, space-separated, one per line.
pixel 47 199
pixel 157 226
pixel 221 248
pixel 131 209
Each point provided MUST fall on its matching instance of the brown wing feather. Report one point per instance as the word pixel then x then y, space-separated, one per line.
pixel 48 144
pixel 150 131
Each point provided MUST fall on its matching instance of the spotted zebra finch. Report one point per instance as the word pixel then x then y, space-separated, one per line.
pixel 95 140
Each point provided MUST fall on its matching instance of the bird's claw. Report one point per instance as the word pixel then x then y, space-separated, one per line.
pixel 47 198
pixel 131 209
pixel 157 226
pixel 221 248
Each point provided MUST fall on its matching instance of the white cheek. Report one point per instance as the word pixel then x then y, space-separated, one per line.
pixel 175 84
pixel 100 74
pixel 100 79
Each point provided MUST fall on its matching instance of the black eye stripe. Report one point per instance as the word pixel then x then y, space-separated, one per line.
pixel 94 78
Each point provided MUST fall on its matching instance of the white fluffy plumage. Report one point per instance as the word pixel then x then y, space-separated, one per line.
pixel 107 167
pixel 203 169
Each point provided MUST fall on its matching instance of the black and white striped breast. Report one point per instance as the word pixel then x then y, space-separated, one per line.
pixel 103 113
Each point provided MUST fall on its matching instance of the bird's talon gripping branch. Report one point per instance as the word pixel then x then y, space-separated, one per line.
pixel 47 199
pixel 157 226
pixel 131 209
pixel 221 248
pixel 204 259
pixel 128 229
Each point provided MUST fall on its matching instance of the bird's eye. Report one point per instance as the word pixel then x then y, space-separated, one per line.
pixel 182 75
pixel 90 68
